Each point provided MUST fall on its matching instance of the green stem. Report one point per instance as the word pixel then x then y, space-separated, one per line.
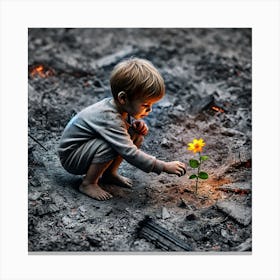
pixel 198 170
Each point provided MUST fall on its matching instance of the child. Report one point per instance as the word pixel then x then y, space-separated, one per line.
pixel 97 139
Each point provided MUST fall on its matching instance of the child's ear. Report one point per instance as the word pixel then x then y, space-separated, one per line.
pixel 122 97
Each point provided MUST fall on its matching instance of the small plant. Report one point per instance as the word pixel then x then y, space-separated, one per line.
pixel 196 147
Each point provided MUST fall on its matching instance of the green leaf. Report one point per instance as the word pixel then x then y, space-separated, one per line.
pixel 194 163
pixel 204 158
pixel 202 175
pixel 193 176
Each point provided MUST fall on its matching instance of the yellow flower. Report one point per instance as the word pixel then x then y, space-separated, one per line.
pixel 196 145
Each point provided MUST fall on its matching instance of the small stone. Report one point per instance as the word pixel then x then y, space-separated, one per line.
pixel 165 143
pixel 46 209
pixel 66 220
pixel 80 229
pixel 99 90
pixel 191 217
pixel 34 195
pixel 82 209
pixel 98 83
pixel 224 234
pixel 164 213
pixel 94 241
pixel 180 108
pixel 164 103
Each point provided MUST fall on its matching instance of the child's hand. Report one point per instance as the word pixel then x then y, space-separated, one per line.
pixel 175 167
pixel 140 127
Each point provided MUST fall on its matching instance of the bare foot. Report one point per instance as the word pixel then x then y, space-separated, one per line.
pixel 116 179
pixel 94 191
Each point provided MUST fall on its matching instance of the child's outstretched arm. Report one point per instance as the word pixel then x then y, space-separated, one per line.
pixel 175 167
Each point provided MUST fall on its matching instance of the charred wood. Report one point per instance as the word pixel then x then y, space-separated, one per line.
pixel 160 237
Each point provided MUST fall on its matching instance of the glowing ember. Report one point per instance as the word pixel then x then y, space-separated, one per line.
pixel 215 108
pixel 41 71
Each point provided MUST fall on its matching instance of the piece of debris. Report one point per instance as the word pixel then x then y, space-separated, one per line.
pixel 160 237
pixel 46 209
pixel 164 213
pixel 238 212
pixel 112 58
pixel 34 195
pixel 165 143
pixel 66 220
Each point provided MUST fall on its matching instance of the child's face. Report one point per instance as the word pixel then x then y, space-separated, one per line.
pixel 140 108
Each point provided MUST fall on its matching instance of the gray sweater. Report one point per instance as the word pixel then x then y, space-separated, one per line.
pixel 102 120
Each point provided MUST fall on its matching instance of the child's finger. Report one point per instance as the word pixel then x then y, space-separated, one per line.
pixel 182 169
pixel 138 126
pixel 182 172
pixel 144 129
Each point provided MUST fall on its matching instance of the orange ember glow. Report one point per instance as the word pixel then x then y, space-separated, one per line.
pixel 40 71
pixel 218 109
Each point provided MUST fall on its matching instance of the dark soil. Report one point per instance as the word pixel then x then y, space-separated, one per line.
pixel 203 68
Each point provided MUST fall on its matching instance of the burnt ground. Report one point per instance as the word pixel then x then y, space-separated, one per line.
pixel 204 70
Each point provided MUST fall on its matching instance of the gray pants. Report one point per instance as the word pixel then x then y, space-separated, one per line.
pixel 94 151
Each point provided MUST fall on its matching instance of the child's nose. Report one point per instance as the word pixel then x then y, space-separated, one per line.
pixel 149 109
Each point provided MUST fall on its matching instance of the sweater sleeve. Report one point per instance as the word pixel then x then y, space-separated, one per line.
pixel 112 128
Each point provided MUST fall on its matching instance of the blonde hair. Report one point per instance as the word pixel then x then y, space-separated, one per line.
pixel 137 77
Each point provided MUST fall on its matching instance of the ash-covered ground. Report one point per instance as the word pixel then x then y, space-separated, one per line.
pixel 207 74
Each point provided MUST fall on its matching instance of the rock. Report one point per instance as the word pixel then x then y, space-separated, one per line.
pixel 34 195
pixel 165 143
pixel 112 58
pixel 93 241
pixel 191 217
pixel 98 90
pixel 180 108
pixel 165 103
pixel 66 220
pixel 98 83
pixel 201 104
pixel 225 234
pixel 46 209
pixel 82 209
pixel 164 213
pixel 238 212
